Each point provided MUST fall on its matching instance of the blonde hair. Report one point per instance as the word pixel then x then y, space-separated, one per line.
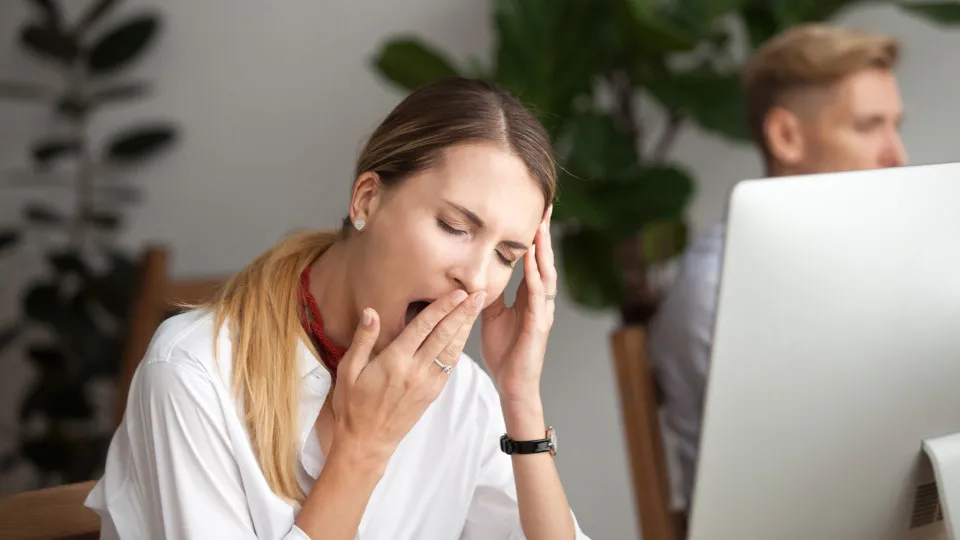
pixel 808 56
pixel 261 304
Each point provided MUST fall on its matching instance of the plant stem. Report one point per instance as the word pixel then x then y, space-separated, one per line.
pixel 84 178
pixel 667 138
pixel 626 113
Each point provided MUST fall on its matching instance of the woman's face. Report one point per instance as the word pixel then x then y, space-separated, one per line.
pixel 464 223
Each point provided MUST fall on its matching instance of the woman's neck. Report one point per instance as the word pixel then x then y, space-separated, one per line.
pixel 327 278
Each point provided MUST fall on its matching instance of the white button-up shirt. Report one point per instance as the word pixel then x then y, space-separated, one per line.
pixel 181 465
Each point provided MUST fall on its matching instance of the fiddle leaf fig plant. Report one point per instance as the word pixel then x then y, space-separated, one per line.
pixel 77 307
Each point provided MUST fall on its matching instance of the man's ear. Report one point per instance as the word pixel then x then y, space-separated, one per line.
pixel 784 136
pixel 367 197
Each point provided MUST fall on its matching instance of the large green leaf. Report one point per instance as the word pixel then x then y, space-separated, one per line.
pixel 713 100
pixel 593 147
pixel 9 334
pixel 941 13
pixel 589 268
pixel 700 15
pixel 69 261
pixel 603 185
pixel 8 239
pixel 135 144
pixel 621 207
pixel 655 31
pixel 56 398
pixel 42 303
pixel 664 240
pixel 48 150
pixel 50 11
pixel 549 52
pixel 410 63
pixel 50 43
pixel 122 44
pixel 40 214
pixel 114 288
pixel 46 357
pixel 760 21
pixel 105 221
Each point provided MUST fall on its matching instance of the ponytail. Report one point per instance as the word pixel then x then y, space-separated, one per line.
pixel 260 304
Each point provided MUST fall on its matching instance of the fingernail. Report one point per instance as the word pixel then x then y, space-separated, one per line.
pixel 459 296
pixel 479 299
pixel 367 317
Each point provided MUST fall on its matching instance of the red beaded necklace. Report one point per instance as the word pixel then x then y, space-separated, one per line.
pixel 312 322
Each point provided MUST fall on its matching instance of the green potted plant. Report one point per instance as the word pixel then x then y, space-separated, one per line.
pixel 79 304
pixel 580 65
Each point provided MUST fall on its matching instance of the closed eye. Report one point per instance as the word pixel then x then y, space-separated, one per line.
pixel 449 228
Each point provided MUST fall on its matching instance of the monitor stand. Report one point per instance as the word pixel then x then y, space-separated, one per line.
pixel 944 454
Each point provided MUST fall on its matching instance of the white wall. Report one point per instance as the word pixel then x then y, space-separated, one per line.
pixel 274 103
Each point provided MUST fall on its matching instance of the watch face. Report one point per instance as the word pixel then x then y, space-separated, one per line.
pixel 553 441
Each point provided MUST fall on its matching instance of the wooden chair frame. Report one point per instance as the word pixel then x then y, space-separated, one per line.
pixel 640 407
pixel 55 513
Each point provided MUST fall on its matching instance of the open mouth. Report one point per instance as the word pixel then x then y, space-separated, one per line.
pixel 414 308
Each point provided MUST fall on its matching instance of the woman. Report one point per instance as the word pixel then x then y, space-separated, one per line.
pixel 324 393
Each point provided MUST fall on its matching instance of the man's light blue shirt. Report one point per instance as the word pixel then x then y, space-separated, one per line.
pixel 680 339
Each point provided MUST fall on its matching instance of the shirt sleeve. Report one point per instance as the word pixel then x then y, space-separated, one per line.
pixel 182 471
pixel 494 512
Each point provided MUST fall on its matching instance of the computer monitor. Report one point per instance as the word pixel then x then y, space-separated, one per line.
pixel 836 357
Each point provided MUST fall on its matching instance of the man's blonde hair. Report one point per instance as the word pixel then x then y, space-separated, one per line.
pixel 808 56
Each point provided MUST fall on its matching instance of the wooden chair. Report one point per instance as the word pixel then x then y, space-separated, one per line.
pixel 55 513
pixel 156 296
pixel 641 417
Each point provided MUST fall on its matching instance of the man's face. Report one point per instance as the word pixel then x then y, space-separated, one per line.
pixel 853 125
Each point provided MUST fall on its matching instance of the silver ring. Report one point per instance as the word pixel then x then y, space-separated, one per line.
pixel 550 296
pixel 442 366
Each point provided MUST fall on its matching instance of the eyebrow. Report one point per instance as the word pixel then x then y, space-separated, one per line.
pixel 478 223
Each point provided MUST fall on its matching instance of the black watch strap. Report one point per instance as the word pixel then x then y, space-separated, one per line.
pixel 510 446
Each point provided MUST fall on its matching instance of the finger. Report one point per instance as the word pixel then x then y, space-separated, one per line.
pixel 546 265
pixel 420 327
pixel 358 355
pixel 450 355
pixel 531 275
pixel 448 329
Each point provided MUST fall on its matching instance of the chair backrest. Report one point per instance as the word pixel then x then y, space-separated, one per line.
pixel 55 513
pixel 640 409
pixel 156 296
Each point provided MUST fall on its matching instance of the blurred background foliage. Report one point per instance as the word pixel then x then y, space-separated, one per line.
pixel 74 315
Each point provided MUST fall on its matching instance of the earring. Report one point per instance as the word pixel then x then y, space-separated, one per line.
pixel 359 224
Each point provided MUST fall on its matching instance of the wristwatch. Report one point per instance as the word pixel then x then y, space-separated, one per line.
pixel 549 444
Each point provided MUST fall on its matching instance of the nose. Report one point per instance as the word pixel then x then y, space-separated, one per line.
pixel 896 152
pixel 472 274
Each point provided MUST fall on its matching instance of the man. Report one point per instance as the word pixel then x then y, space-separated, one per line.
pixel 819 99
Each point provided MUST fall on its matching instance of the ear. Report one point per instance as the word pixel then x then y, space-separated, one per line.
pixel 784 136
pixel 367 196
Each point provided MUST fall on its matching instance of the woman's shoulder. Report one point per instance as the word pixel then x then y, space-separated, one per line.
pixel 188 341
